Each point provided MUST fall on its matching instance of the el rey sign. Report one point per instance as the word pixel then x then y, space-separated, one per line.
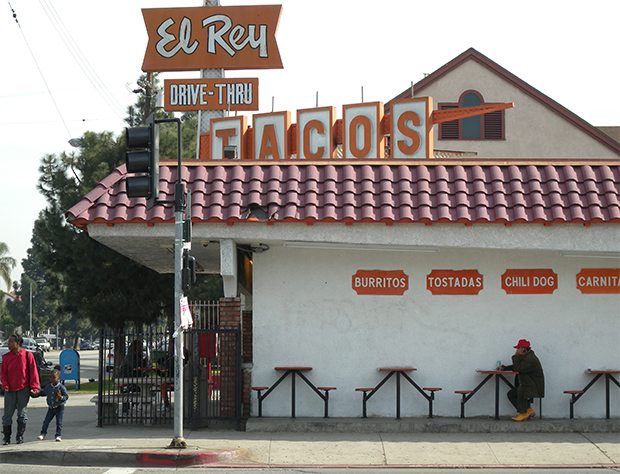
pixel 194 38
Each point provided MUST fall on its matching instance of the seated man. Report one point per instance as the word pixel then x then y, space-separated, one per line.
pixel 529 383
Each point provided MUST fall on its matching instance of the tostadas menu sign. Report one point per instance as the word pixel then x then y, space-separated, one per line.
pixel 194 38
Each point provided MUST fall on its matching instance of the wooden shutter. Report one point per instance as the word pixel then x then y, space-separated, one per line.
pixel 494 125
pixel 449 130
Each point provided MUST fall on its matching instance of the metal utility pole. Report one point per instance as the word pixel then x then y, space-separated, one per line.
pixel 148 94
pixel 179 210
pixel 205 116
pixel 37 281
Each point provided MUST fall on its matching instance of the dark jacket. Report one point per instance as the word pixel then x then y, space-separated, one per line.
pixel 530 374
pixel 50 393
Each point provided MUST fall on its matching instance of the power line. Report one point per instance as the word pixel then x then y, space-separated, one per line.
pixel 80 58
pixel 40 72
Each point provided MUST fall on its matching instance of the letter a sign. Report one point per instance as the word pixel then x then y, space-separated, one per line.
pixel 194 38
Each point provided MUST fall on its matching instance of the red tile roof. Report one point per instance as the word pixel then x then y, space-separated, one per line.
pixel 388 193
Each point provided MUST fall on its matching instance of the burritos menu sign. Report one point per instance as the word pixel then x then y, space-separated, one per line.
pixel 195 38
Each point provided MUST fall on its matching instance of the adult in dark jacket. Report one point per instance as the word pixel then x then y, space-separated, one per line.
pixel 529 383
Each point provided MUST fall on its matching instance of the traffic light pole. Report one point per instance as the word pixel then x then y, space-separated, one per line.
pixel 178 441
pixel 143 157
pixel 179 210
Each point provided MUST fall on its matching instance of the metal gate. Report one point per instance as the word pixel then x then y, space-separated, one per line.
pixel 144 393
pixel 215 381
pixel 215 376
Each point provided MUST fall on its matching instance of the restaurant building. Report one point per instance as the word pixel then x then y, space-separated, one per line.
pixel 510 231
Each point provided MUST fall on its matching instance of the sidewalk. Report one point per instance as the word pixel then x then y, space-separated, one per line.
pixel 311 442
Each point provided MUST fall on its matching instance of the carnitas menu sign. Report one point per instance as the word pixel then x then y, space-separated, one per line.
pixel 599 280
pixel 194 38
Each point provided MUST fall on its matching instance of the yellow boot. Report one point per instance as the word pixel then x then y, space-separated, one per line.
pixel 520 417
pixel 530 413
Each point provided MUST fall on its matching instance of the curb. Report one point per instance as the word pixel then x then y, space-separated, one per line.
pixel 117 459
pixel 221 459
pixel 161 459
pixel 417 466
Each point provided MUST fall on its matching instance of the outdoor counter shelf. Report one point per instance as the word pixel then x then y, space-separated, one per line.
pixel 399 371
pixel 293 371
pixel 577 394
pixel 499 374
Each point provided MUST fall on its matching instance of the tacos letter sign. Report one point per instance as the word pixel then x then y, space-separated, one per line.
pixel 194 38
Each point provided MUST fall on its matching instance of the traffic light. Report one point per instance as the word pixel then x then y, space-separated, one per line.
pixel 143 157
pixel 188 272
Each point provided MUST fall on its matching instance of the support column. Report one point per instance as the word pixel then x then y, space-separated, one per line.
pixel 230 318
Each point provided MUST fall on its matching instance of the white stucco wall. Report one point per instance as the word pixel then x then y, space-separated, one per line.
pixel 532 130
pixel 306 313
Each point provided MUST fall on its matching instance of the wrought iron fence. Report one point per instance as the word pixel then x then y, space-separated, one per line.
pixel 136 376
pixel 136 373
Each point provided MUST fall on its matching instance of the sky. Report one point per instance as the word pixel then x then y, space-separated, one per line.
pixel 51 92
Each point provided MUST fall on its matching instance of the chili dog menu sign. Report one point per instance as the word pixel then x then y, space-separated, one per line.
pixel 529 281
pixel 194 38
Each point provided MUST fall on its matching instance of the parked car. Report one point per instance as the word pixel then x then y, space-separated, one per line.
pixel 43 344
pixel 86 346
pixel 4 349
pixel 30 344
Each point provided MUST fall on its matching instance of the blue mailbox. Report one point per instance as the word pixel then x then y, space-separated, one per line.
pixel 70 366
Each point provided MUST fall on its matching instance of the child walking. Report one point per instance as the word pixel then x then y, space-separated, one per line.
pixel 57 396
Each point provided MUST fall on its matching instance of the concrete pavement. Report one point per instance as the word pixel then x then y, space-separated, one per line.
pixel 312 442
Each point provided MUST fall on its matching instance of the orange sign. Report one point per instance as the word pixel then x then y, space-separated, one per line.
pixel 454 282
pixel 182 95
pixel 380 282
pixel 194 38
pixel 362 132
pixel 529 282
pixel 599 280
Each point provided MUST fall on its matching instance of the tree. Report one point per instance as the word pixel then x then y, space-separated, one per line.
pixel 6 265
pixel 87 278
pixel 95 281
pixel 7 325
pixel 35 279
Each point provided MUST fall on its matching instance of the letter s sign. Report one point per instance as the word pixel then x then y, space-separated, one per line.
pixel 412 128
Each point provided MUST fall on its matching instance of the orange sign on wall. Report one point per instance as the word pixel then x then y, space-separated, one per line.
pixel 194 38
pixel 380 282
pixel 454 282
pixel 529 281
pixel 599 280
pixel 183 95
